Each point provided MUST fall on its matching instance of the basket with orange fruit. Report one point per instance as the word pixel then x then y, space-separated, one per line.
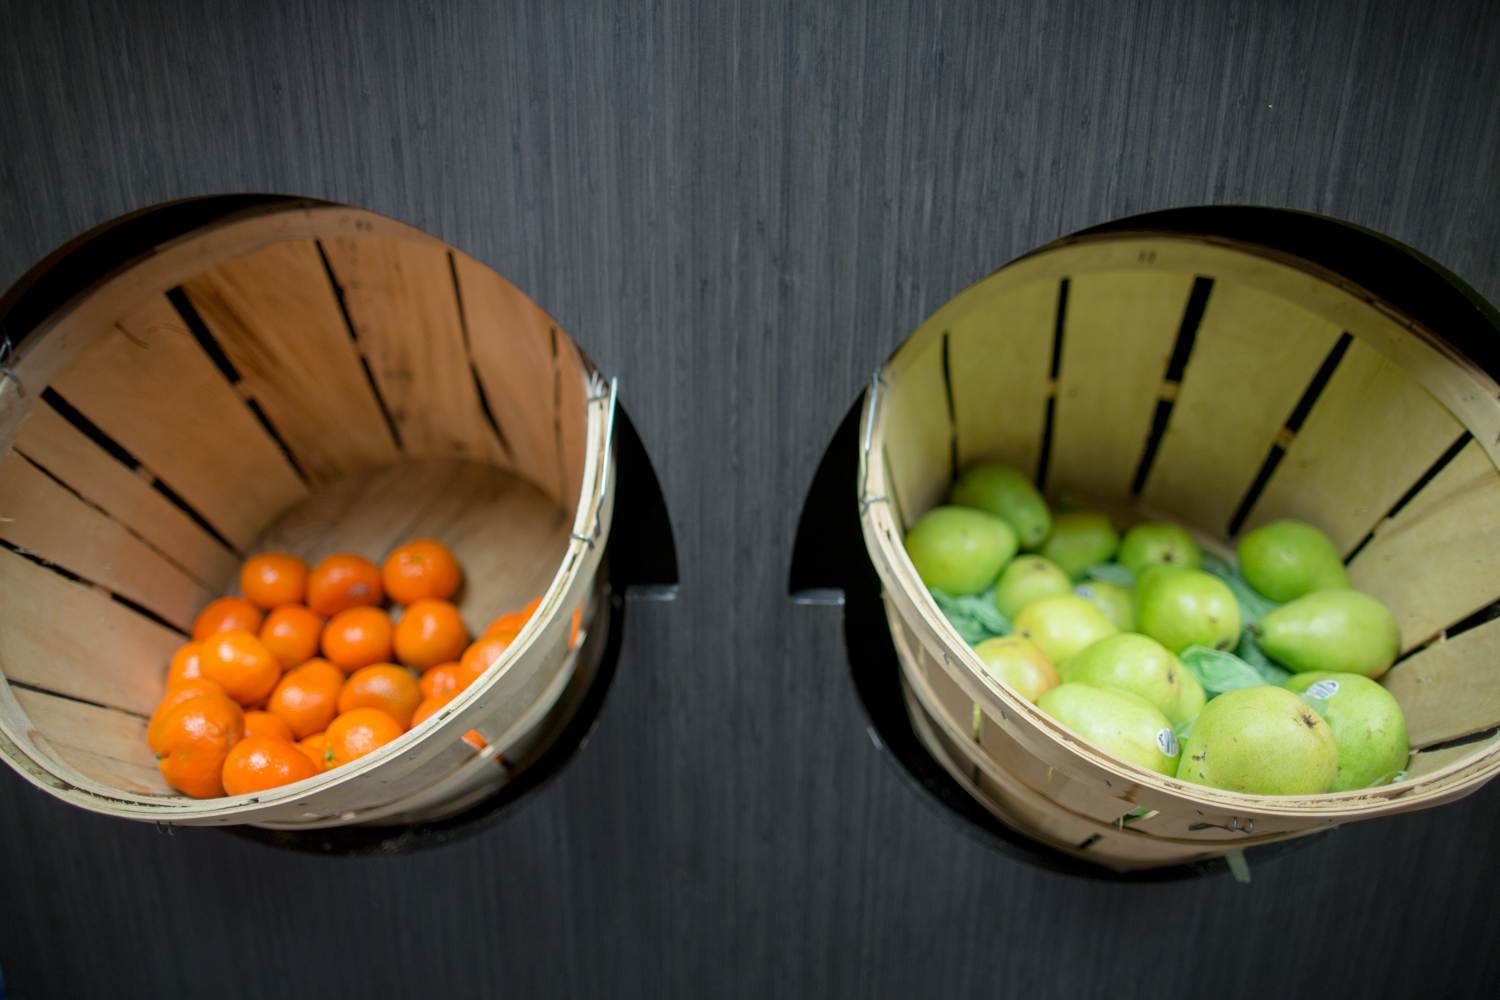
pixel 161 441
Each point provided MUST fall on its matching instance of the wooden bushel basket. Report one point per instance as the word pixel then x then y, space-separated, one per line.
pixel 1219 385
pixel 313 379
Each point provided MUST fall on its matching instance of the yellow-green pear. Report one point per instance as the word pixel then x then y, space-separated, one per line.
pixel 1020 663
pixel 1079 539
pixel 959 550
pixel 1153 544
pixel 1260 741
pixel 1186 607
pixel 1007 494
pixel 1285 559
pixel 1063 625
pixel 1129 662
pixel 1190 699
pixel 1339 630
pixel 1027 579
pixel 1367 724
pixel 1125 724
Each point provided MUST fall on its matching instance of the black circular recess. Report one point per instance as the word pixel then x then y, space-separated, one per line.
pixel 829 557
pixel 640 554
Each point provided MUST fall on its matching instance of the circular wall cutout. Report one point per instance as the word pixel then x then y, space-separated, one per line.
pixel 189 384
pixel 1387 316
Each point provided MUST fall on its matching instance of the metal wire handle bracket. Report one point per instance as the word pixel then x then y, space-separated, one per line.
pixel 609 442
pixel 6 350
pixel 864 499
pixel 1233 827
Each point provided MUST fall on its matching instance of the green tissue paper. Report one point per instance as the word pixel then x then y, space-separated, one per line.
pixel 1110 572
pixel 1219 671
pixel 973 616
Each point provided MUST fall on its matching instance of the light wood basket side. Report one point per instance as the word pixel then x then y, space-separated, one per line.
pixel 149 386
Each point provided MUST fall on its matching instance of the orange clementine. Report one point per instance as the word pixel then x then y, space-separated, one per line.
pixel 385 686
pixel 196 736
pixel 514 621
pixel 225 614
pixel 431 632
pixel 358 637
pixel 200 687
pixel 358 732
pixel 446 678
pixel 505 635
pixel 306 698
pixel 421 570
pixel 272 579
pixel 511 622
pixel 291 633
pixel 262 723
pixel 343 581
pixel 257 763
pixel 478 657
pixel 184 666
pixel 474 740
pixel 240 662
pixel 429 706
pixel 315 747
pixel 573 632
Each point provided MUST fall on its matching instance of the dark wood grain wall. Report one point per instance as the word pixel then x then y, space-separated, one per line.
pixel 740 209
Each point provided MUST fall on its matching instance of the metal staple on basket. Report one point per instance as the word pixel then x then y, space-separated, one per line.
pixel 864 500
pixel 609 440
pixel 6 350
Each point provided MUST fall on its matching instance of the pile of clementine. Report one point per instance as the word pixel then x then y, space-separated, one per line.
pixel 250 705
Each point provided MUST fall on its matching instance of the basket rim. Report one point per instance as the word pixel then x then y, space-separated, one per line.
pixel 39 354
pixel 917 608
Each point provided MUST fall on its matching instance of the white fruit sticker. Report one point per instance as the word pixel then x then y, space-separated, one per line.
pixel 1166 742
pixel 1323 690
pixel 1085 591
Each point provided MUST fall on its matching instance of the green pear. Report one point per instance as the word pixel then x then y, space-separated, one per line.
pixel 1285 559
pixel 1020 663
pixel 1190 699
pixel 1186 607
pixel 1129 662
pixel 1366 722
pixel 1125 724
pixel 1114 600
pixel 1340 630
pixel 1079 539
pixel 1260 741
pixel 959 550
pixel 1005 493
pixel 1147 572
pixel 1063 625
pixel 1158 544
pixel 1028 579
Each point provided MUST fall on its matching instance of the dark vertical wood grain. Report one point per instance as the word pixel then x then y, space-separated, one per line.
pixel 741 209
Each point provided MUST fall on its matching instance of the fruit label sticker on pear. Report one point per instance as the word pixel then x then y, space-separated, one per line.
pixel 1323 690
pixel 1166 742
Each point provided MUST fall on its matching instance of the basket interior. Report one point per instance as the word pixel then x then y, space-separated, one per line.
pixel 1163 379
pixel 314 396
